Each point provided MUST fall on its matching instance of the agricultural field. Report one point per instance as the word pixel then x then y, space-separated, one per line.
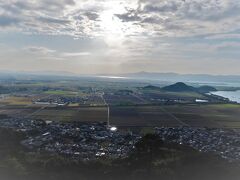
pixel 16 100
pixel 219 115
pixel 158 96
pixel 211 115
pixel 61 92
pixel 128 99
pixel 16 111
pixel 130 105
pixel 82 114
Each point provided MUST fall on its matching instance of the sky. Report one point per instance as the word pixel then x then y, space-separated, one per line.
pixel 120 36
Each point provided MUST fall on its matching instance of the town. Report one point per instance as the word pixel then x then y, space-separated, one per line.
pixel 224 142
pixel 90 141
pixel 75 140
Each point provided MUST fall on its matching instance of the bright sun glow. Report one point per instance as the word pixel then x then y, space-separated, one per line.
pixel 108 25
pixel 112 27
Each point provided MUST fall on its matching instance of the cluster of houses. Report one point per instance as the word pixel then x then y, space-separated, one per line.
pixel 59 100
pixel 19 124
pixel 224 142
pixel 76 140
pixel 90 141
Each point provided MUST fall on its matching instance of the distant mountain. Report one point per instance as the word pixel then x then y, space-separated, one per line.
pixel 206 89
pixel 36 75
pixel 179 87
pixel 174 77
pixel 150 87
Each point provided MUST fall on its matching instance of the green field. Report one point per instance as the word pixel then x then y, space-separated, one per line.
pixel 60 92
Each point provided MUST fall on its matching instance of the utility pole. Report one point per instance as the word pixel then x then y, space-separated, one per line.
pixel 108 117
pixel 111 128
pixel 108 111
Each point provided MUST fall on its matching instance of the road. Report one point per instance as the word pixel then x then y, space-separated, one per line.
pixel 174 117
pixel 108 110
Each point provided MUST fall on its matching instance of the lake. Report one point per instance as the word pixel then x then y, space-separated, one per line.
pixel 231 95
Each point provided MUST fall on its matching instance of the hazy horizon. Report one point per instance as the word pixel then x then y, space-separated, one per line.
pixel 56 72
pixel 115 37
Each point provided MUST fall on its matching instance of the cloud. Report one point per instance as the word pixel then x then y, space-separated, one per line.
pixel 76 54
pixel 50 20
pixel 39 50
pixel 131 15
pixel 47 53
pixel 122 31
pixel 184 17
pixel 138 17
pixel 224 36
pixel 92 15
pixel 31 16
pixel 162 6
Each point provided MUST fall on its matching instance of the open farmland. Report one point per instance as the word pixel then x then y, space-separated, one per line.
pixel 82 114
pixel 129 107
pixel 215 115
pixel 159 96
pixel 17 111
pixel 15 100
pixel 148 116
pixel 212 115
pixel 60 92
pixel 220 115
pixel 127 99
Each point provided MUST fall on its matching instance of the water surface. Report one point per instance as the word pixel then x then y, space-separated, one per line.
pixel 231 95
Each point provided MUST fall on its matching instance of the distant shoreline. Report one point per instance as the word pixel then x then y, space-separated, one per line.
pixel 233 96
